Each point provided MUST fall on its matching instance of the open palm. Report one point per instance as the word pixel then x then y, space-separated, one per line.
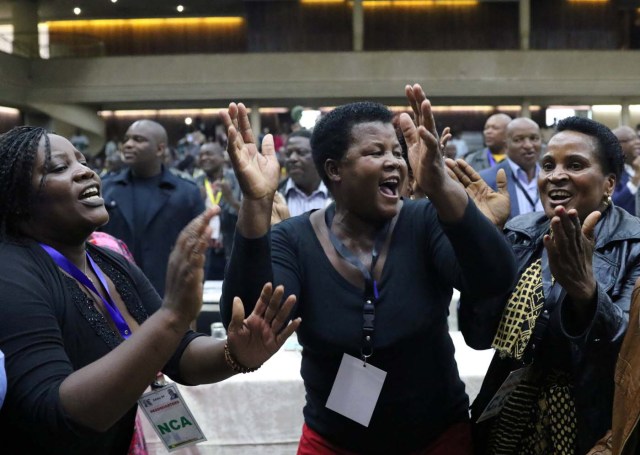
pixel 253 340
pixel 258 173
pixel 495 205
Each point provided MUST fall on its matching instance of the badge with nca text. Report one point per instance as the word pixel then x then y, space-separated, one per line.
pixel 171 418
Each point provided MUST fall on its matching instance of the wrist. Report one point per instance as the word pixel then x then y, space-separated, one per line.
pixel 234 364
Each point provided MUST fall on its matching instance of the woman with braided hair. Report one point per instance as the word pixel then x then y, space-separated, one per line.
pixel 566 315
pixel 82 329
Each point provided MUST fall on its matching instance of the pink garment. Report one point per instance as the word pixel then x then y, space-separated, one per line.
pixel 108 241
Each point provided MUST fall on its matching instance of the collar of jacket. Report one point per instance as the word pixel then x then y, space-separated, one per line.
pixel 615 225
pixel 168 180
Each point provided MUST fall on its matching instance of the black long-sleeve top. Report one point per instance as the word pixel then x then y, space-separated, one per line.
pixel 422 394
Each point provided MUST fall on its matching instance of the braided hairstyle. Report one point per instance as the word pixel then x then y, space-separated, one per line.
pixel 18 152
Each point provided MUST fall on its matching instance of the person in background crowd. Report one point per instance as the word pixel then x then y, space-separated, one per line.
pixel 520 166
pixel 80 140
pixel 219 187
pixel 627 187
pixel 374 275
pixel 495 149
pixel 303 190
pixel 148 205
pixel 83 330
pixel 565 317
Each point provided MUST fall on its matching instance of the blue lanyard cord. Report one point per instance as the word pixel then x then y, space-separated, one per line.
pixel 66 265
pixel 525 192
pixel 371 286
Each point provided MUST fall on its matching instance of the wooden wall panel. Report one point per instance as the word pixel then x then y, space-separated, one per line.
pixel 485 26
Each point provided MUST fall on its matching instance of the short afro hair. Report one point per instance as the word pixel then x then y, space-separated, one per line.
pixel 332 133
pixel 608 147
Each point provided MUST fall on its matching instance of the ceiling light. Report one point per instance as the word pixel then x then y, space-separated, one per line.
pixel 114 1
pixel 180 8
pixel 77 11
pixel 188 121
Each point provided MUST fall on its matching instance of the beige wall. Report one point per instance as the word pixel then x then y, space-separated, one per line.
pixel 73 89
pixel 281 79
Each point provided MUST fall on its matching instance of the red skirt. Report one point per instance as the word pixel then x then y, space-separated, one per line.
pixel 456 440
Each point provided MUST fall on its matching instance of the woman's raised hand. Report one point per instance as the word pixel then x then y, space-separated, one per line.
pixel 258 173
pixel 570 249
pixel 423 144
pixel 185 270
pixel 252 341
pixel 495 205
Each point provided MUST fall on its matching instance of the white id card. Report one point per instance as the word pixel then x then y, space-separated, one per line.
pixel 356 389
pixel 215 227
pixel 171 418
pixel 500 398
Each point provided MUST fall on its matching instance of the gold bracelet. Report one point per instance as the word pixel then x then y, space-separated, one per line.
pixel 234 364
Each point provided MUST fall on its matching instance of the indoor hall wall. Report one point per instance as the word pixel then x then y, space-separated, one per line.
pixel 133 38
pixel 292 26
pixel 563 25
pixel 485 26
pixel 286 26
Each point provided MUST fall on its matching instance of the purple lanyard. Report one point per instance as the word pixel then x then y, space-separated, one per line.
pixel 66 265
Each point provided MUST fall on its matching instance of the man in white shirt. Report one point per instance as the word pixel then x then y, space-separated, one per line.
pixel 524 143
pixel 627 188
pixel 303 189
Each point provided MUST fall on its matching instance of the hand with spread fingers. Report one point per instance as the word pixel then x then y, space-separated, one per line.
pixel 425 150
pixel 570 249
pixel 495 205
pixel 253 340
pixel 258 172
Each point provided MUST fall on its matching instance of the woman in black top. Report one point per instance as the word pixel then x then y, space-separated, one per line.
pixel 82 329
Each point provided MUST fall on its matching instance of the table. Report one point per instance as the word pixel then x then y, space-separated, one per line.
pixel 261 413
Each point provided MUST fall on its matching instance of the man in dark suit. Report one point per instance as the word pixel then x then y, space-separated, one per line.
pixel 524 143
pixel 149 205
pixel 627 187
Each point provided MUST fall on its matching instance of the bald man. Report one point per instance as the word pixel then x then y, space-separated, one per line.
pixel 524 143
pixel 149 205
pixel 494 133
pixel 627 188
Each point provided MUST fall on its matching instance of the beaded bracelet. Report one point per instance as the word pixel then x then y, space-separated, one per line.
pixel 234 364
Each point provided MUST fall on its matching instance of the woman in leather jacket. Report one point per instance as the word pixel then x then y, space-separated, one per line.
pixel 558 337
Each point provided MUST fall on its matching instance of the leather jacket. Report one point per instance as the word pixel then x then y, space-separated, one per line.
pixel 623 438
pixel 586 353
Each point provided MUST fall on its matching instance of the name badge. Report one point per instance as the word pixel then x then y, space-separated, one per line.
pixel 500 398
pixel 171 418
pixel 356 389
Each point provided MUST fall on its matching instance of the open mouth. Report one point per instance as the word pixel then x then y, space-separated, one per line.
pixel 91 195
pixel 559 197
pixel 389 187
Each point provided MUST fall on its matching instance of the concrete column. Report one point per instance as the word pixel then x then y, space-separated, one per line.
pixel 525 109
pixel 358 26
pixel 24 17
pixel 525 24
pixel 625 115
pixel 256 124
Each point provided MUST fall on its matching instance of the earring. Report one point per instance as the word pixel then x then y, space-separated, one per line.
pixel 606 200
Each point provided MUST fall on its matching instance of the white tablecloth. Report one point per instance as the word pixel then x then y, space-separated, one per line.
pixel 261 413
